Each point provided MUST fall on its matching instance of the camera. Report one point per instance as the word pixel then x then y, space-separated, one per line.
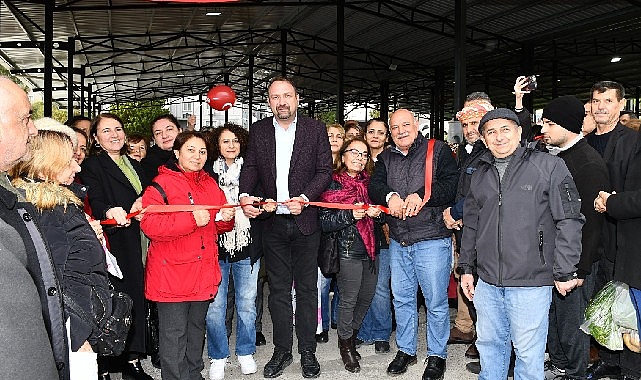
pixel 530 83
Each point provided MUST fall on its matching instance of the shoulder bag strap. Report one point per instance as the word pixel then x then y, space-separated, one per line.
pixel 161 191
pixel 429 162
pixel 77 310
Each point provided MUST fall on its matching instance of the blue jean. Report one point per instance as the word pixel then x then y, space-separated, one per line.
pixel 426 263
pixel 511 314
pixel 377 324
pixel 245 278
pixel 324 292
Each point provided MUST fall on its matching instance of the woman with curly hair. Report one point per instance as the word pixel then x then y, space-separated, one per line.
pixel 239 257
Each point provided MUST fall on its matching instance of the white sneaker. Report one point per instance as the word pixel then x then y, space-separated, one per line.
pixel 247 364
pixel 217 369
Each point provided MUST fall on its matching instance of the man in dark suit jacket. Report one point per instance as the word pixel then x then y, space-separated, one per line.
pixel 289 157
pixel 616 144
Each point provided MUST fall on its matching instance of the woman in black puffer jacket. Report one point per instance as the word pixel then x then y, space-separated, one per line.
pixel 79 258
pixel 356 243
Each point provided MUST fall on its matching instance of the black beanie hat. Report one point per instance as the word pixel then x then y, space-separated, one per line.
pixel 498 113
pixel 566 111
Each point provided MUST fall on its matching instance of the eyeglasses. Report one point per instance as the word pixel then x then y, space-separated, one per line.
pixel 356 154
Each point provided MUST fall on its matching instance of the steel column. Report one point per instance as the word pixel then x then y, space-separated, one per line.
pixel 48 56
pixel 527 68
pixel 89 101
pixel 460 56
pixel 200 109
pixel 436 122
pixel 555 82
pixel 82 91
pixel 211 117
pixel 251 90
pixel 384 90
pixel 283 52
pixel 340 60
pixel 226 76
pixel 311 108
pixel 70 52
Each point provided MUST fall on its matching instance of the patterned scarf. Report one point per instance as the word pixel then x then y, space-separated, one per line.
pixel 238 238
pixel 354 190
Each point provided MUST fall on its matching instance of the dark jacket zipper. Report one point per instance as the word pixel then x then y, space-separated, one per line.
pixel 567 191
pixel 541 248
pixel 500 247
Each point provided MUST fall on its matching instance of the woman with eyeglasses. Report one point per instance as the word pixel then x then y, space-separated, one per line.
pixel 336 135
pixel 356 243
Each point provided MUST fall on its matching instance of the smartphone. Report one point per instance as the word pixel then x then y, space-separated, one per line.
pixel 530 84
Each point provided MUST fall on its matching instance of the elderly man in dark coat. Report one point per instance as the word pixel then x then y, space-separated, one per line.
pixel 33 342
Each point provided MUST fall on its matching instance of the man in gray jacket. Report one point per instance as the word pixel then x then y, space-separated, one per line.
pixel 33 341
pixel 522 235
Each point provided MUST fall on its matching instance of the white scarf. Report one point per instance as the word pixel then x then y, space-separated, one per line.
pixel 238 238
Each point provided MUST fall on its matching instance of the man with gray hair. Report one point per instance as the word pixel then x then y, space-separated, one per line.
pixel 517 259
pixel 33 342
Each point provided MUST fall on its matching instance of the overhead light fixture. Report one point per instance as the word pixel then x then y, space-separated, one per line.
pixel 180 75
pixel 213 13
pixel 615 59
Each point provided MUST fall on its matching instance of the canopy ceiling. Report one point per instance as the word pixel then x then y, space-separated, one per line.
pixel 136 49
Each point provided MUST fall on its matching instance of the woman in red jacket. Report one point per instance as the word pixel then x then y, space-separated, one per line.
pixel 182 272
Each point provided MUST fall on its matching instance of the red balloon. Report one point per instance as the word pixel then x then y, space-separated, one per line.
pixel 221 97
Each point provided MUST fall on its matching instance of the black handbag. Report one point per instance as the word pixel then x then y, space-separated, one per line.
pixel 110 320
pixel 328 260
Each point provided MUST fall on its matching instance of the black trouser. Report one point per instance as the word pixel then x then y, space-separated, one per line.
pixel 628 361
pixel 568 346
pixel 262 279
pixel 181 330
pixel 291 259
pixel 357 282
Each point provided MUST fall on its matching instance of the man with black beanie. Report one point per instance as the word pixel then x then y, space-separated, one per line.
pixel 568 346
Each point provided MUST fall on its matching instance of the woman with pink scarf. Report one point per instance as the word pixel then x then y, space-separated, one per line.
pixel 356 244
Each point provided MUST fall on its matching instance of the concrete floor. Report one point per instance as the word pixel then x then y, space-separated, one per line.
pixel 373 366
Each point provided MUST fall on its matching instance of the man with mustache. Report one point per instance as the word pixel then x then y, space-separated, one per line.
pixel 615 143
pixel 289 159
pixel 420 243
pixel 467 159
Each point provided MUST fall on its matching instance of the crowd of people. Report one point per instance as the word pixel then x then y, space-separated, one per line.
pixel 531 226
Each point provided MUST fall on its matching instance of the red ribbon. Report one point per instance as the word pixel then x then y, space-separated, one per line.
pixel 189 208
